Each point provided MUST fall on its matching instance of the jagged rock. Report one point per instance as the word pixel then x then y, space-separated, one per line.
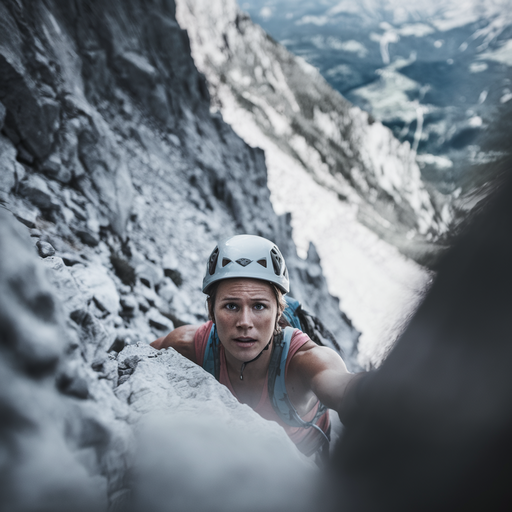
pixel 143 303
pixel 87 237
pixel 170 265
pixel 34 116
pixel 2 115
pixel 25 215
pixel 120 154
pixel 70 259
pixel 168 290
pixel 24 156
pixel 7 166
pixel 95 280
pixel 159 321
pixel 123 269
pixel 150 275
pixel 72 381
pixel 129 304
pixel 101 157
pixel 45 249
pixel 36 190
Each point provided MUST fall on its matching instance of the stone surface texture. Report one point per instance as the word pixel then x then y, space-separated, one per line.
pixel 116 182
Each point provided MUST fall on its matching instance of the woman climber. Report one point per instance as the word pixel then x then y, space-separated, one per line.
pixel 280 373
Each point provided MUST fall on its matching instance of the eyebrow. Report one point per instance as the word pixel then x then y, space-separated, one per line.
pixel 231 299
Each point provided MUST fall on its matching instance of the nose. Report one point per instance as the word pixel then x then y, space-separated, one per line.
pixel 244 319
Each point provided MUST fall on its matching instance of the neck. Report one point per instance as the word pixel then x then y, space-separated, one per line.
pixel 251 370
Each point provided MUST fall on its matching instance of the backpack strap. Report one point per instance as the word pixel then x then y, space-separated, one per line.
pixel 277 385
pixel 276 377
pixel 211 359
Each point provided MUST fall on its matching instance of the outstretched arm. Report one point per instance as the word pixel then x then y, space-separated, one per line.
pixel 181 339
pixel 324 372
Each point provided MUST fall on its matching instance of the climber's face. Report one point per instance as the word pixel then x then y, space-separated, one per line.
pixel 245 313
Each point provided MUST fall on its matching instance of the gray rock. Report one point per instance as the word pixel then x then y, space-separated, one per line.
pixel 96 280
pixel 73 296
pixel 45 249
pixel 31 342
pixel 129 304
pixel 83 429
pixel 2 115
pixel 54 168
pixel 35 116
pixel 150 275
pixel 87 237
pixel 25 215
pixel 159 321
pixel 105 164
pixel 36 190
pixel 168 290
pixel 7 164
pixel 171 267
pixel 70 259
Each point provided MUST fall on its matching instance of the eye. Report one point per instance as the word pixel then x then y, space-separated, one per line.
pixel 259 306
pixel 230 306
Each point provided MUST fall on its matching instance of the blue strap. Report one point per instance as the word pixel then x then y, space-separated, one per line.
pixel 277 385
pixel 211 359
pixel 276 376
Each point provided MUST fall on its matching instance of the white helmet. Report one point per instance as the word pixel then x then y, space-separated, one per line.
pixel 246 256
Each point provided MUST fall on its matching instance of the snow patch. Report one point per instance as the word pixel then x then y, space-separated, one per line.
pixel 503 55
pixel 319 21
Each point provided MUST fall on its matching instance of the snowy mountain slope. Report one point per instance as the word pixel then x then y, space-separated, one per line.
pixel 436 73
pixel 293 105
pixel 328 164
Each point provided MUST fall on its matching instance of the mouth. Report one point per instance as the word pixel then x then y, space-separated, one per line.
pixel 245 342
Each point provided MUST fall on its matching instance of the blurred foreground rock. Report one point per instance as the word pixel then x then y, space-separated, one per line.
pixel 83 429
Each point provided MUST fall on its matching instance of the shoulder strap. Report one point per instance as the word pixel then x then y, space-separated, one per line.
pixel 211 359
pixel 277 385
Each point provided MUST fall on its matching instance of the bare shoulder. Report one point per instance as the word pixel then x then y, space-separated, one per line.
pixel 181 339
pixel 324 372
pixel 312 359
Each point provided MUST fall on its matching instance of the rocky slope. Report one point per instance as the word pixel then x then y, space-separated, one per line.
pixel 436 73
pixel 114 172
pixel 251 76
pixel 351 188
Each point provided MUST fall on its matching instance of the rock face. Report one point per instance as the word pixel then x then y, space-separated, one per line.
pixel 116 176
pixel 437 74
pixel 133 168
pixel 254 80
pixel 84 428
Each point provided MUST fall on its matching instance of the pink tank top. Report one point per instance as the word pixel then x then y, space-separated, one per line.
pixel 307 440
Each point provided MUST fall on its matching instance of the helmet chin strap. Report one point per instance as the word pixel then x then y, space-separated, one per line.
pixel 247 362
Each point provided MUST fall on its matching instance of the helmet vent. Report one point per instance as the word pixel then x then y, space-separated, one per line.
pixel 212 263
pixel 225 261
pixel 276 261
pixel 263 262
pixel 244 262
